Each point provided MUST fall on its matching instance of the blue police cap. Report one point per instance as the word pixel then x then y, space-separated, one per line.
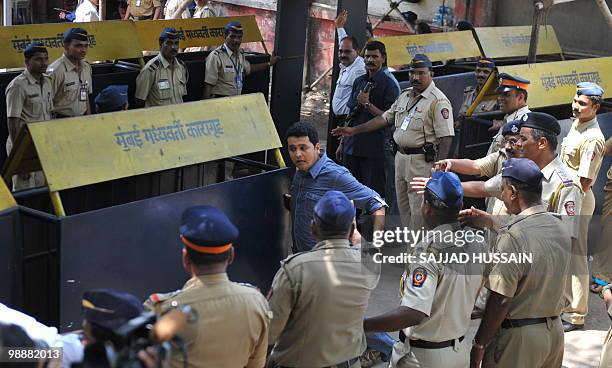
pixel 234 26
pixel 112 98
pixel 447 187
pixel 110 308
pixel 77 33
pixel 33 48
pixel 509 82
pixel 512 127
pixel 542 121
pixel 523 170
pixel 206 229
pixel 420 61
pixel 486 63
pixel 169 33
pixel 334 211
pixel 589 89
pixel 464 25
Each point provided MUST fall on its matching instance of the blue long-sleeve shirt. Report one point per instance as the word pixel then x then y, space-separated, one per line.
pixel 307 188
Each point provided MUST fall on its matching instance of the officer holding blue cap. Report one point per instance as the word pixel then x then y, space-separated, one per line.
pixel 528 289
pixel 112 98
pixel 163 80
pixel 319 297
pixel 437 294
pixel 232 328
pixel 582 150
pixel 227 66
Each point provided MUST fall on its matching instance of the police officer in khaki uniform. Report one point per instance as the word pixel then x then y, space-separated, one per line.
pixel 233 319
pixel 226 66
pixel 582 151
pixel 423 120
pixel 437 293
pixel 163 80
pixel 319 297
pixel 143 10
pixel 28 99
pixel 512 101
pixel 521 325
pixel 71 76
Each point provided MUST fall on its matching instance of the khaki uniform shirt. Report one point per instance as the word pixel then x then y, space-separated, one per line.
pixel 28 100
pixel 68 82
pixel 204 12
pixel 143 8
pixel 430 118
pixel 582 149
pixel 232 326
pixel 161 83
pixel 536 288
pixel 444 290
pixel 224 69
pixel 469 96
pixel 490 166
pixel 172 6
pixel 319 299
pixel 497 139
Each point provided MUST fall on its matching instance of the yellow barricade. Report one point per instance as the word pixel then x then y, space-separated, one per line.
pixel 195 32
pixel 107 41
pixel 437 46
pixel 6 198
pixel 86 150
pixel 555 83
pixel 498 42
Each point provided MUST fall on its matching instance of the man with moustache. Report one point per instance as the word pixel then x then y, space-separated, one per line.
pixel 423 120
pixel 226 66
pixel 582 151
pixel 29 98
pixel 163 80
pixel 512 101
pixel 71 76
pixel 521 325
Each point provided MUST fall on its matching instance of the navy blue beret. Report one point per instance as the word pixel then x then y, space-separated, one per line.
pixel 512 127
pixel 207 227
pixel 112 98
pixel 334 211
pixel 542 121
pixel 110 308
pixel 168 33
pixel 447 187
pixel 589 89
pixel 509 82
pixel 33 48
pixel 523 170
pixel 486 63
pixel 78 34
pixel 420 61
pixel 234 26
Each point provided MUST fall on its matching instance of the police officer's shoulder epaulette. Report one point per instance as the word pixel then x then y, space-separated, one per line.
pixel 565 176
pixel 439 95
pixel 294 256
pixel 158 298
pixel 249 285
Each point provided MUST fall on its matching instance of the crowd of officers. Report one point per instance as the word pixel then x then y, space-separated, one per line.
pixel 314 315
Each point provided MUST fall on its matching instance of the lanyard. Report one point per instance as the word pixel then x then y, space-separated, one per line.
pixel 238 67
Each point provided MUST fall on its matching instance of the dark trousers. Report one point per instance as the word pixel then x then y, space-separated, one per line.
pixel 368 171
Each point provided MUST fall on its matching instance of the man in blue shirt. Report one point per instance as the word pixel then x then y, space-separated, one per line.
pixel 317 174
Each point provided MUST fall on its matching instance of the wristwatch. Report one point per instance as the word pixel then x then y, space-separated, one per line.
pixel 477 345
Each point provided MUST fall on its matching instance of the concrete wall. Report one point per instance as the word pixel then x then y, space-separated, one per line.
pixel 579 25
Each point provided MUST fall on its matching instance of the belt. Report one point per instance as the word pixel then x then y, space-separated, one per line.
pixel 345 364
pixel 411 150
pixel 62 116
pixel 515 323
pixel 144 17
pixel 428 344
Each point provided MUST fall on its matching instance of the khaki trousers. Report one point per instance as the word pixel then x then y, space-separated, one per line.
pixel 405 356
pixel 410 203
pixel 533 346
pixel 602 259
pixel 577 287
pixel 605 360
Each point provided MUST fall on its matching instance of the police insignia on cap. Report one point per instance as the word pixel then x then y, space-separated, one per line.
pixel 525 117
pixel 445 113
pixel 419 275
pixel 569 208
pixel 514 129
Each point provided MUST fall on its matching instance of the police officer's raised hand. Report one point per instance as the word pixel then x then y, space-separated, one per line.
pixel 496 125
pixel 418 183
pixel 477 219
pixel 341 19
pixel 443 165
pixel 343 131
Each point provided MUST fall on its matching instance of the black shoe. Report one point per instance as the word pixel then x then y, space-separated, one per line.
pixel 567 327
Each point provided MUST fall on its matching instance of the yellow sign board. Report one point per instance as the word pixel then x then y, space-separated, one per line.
pixel 86 150
pixel 195 32
pixel 555 83
pixel 437 46
pixel 6 198
pixel 498 42
pixel 107 41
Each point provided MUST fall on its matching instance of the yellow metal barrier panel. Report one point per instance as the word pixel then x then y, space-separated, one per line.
pixel 107 41
pixel 437 46
pixel 498 42
pixel 555 83
pixel 6 198
pixel 195 32
pixel 86 150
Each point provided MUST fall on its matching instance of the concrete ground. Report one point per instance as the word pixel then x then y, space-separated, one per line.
pixel 582 348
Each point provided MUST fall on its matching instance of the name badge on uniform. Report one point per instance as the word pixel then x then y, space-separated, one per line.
pixel 407 121
pixel 228 69
pixel 83 92
pixel 163 84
